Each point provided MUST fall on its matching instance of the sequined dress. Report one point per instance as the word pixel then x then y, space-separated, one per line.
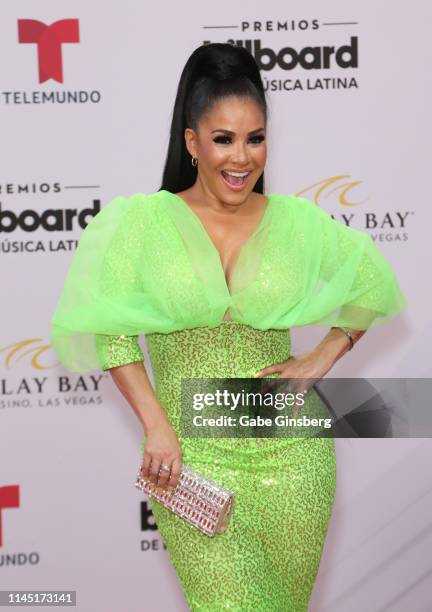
pixel 267 559
pixel 146 266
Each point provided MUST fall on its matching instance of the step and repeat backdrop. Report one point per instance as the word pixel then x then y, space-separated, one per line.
pixel 86 96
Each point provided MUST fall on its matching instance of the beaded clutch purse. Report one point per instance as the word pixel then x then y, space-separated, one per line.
pixel 202 502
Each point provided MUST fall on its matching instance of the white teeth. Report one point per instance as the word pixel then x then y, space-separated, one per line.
pixel 238 174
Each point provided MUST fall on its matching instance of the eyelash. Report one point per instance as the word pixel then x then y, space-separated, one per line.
pixel 219 139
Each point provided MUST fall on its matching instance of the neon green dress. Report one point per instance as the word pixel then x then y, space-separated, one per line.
pixel 145 265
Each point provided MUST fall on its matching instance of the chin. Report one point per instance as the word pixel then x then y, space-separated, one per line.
pixel 235 197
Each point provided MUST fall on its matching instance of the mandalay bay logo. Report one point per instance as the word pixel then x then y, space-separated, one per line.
pixel 339 196
pixel 28 379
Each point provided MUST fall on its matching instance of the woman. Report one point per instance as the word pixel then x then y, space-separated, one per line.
pixel 214 274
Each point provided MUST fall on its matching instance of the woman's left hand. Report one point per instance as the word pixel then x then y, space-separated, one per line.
pixel 303 372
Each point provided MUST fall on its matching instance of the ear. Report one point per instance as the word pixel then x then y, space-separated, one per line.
pixel 191 140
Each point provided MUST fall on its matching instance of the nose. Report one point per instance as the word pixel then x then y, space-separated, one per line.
pixel 240 154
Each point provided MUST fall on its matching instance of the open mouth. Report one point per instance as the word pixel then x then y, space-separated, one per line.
pixel 235 179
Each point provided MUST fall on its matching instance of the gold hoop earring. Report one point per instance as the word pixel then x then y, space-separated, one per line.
pixel 194 159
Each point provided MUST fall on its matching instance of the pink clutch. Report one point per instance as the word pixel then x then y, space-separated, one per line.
pixel 203 503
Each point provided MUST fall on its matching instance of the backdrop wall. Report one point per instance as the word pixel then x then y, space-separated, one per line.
pixel 87 119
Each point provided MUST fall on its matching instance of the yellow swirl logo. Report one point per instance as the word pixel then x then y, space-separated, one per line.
pixel 31 349
pixel 334 185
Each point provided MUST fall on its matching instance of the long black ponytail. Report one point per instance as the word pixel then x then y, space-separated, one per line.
pixel 212 72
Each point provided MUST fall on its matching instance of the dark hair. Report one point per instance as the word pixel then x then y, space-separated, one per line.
pixel 213 71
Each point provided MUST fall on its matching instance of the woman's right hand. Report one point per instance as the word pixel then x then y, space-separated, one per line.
pixel 162 447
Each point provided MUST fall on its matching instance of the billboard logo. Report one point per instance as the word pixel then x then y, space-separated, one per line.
pixel 49 40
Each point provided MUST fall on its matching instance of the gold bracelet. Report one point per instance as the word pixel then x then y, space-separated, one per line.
pixel 349 336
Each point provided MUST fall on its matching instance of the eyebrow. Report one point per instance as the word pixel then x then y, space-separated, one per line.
pixel 232 133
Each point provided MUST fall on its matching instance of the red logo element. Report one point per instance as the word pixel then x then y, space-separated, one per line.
pixel 9 498
pixel 49 39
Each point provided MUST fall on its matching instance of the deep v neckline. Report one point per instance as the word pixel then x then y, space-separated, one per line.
pixel 199 224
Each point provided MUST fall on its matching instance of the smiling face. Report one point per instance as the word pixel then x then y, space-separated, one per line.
pixel 230 145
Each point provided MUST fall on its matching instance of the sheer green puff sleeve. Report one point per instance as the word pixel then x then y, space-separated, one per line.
pixel 350 283
pixel 94 325
pixel 117 277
